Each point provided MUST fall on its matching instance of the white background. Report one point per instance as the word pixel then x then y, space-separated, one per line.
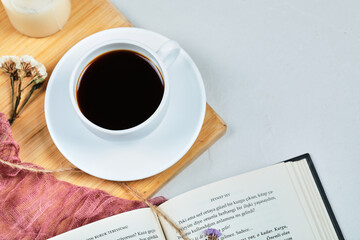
pixel 284 75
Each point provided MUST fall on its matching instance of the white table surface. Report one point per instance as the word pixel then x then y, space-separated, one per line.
pixel 284 75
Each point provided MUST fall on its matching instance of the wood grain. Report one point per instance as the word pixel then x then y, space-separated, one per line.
pixel 30 129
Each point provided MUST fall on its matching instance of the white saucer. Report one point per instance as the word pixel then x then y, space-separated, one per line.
pixel 127 160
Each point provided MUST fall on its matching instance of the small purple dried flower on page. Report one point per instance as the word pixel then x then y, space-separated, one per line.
pixel 212 233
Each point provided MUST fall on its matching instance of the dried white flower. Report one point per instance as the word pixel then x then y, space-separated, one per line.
pixel 26 59
pixel 4 60
pixel 10 63
pixel 17 62
pixel 42 70
pixel 33 67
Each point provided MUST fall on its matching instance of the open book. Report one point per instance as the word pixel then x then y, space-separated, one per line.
pixel 282 202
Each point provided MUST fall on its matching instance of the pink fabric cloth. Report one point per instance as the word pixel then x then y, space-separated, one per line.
pixel 38 206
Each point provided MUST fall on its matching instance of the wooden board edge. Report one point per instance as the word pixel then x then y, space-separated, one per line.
pixel 128 22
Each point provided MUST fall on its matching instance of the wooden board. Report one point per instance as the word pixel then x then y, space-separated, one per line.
pixel 30 129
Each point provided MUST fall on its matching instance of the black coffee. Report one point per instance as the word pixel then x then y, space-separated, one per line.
pixel 119 89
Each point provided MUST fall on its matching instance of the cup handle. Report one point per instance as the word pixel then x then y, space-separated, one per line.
pixel 168 52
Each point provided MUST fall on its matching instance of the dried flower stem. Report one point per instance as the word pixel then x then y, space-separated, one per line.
pixel 12 82
pixel 33 88
pixel 16 107
pixel 17 101
pixel 212 238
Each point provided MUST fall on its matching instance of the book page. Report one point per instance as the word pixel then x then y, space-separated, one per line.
pixel 260 205
pixel 139 224
pixel 311 200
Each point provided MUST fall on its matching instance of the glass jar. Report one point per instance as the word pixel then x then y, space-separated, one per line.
pixel 38 18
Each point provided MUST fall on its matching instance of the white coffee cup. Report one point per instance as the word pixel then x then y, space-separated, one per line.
pixel 163 58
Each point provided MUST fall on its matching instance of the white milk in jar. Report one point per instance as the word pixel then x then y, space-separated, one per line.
pixel 37 18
